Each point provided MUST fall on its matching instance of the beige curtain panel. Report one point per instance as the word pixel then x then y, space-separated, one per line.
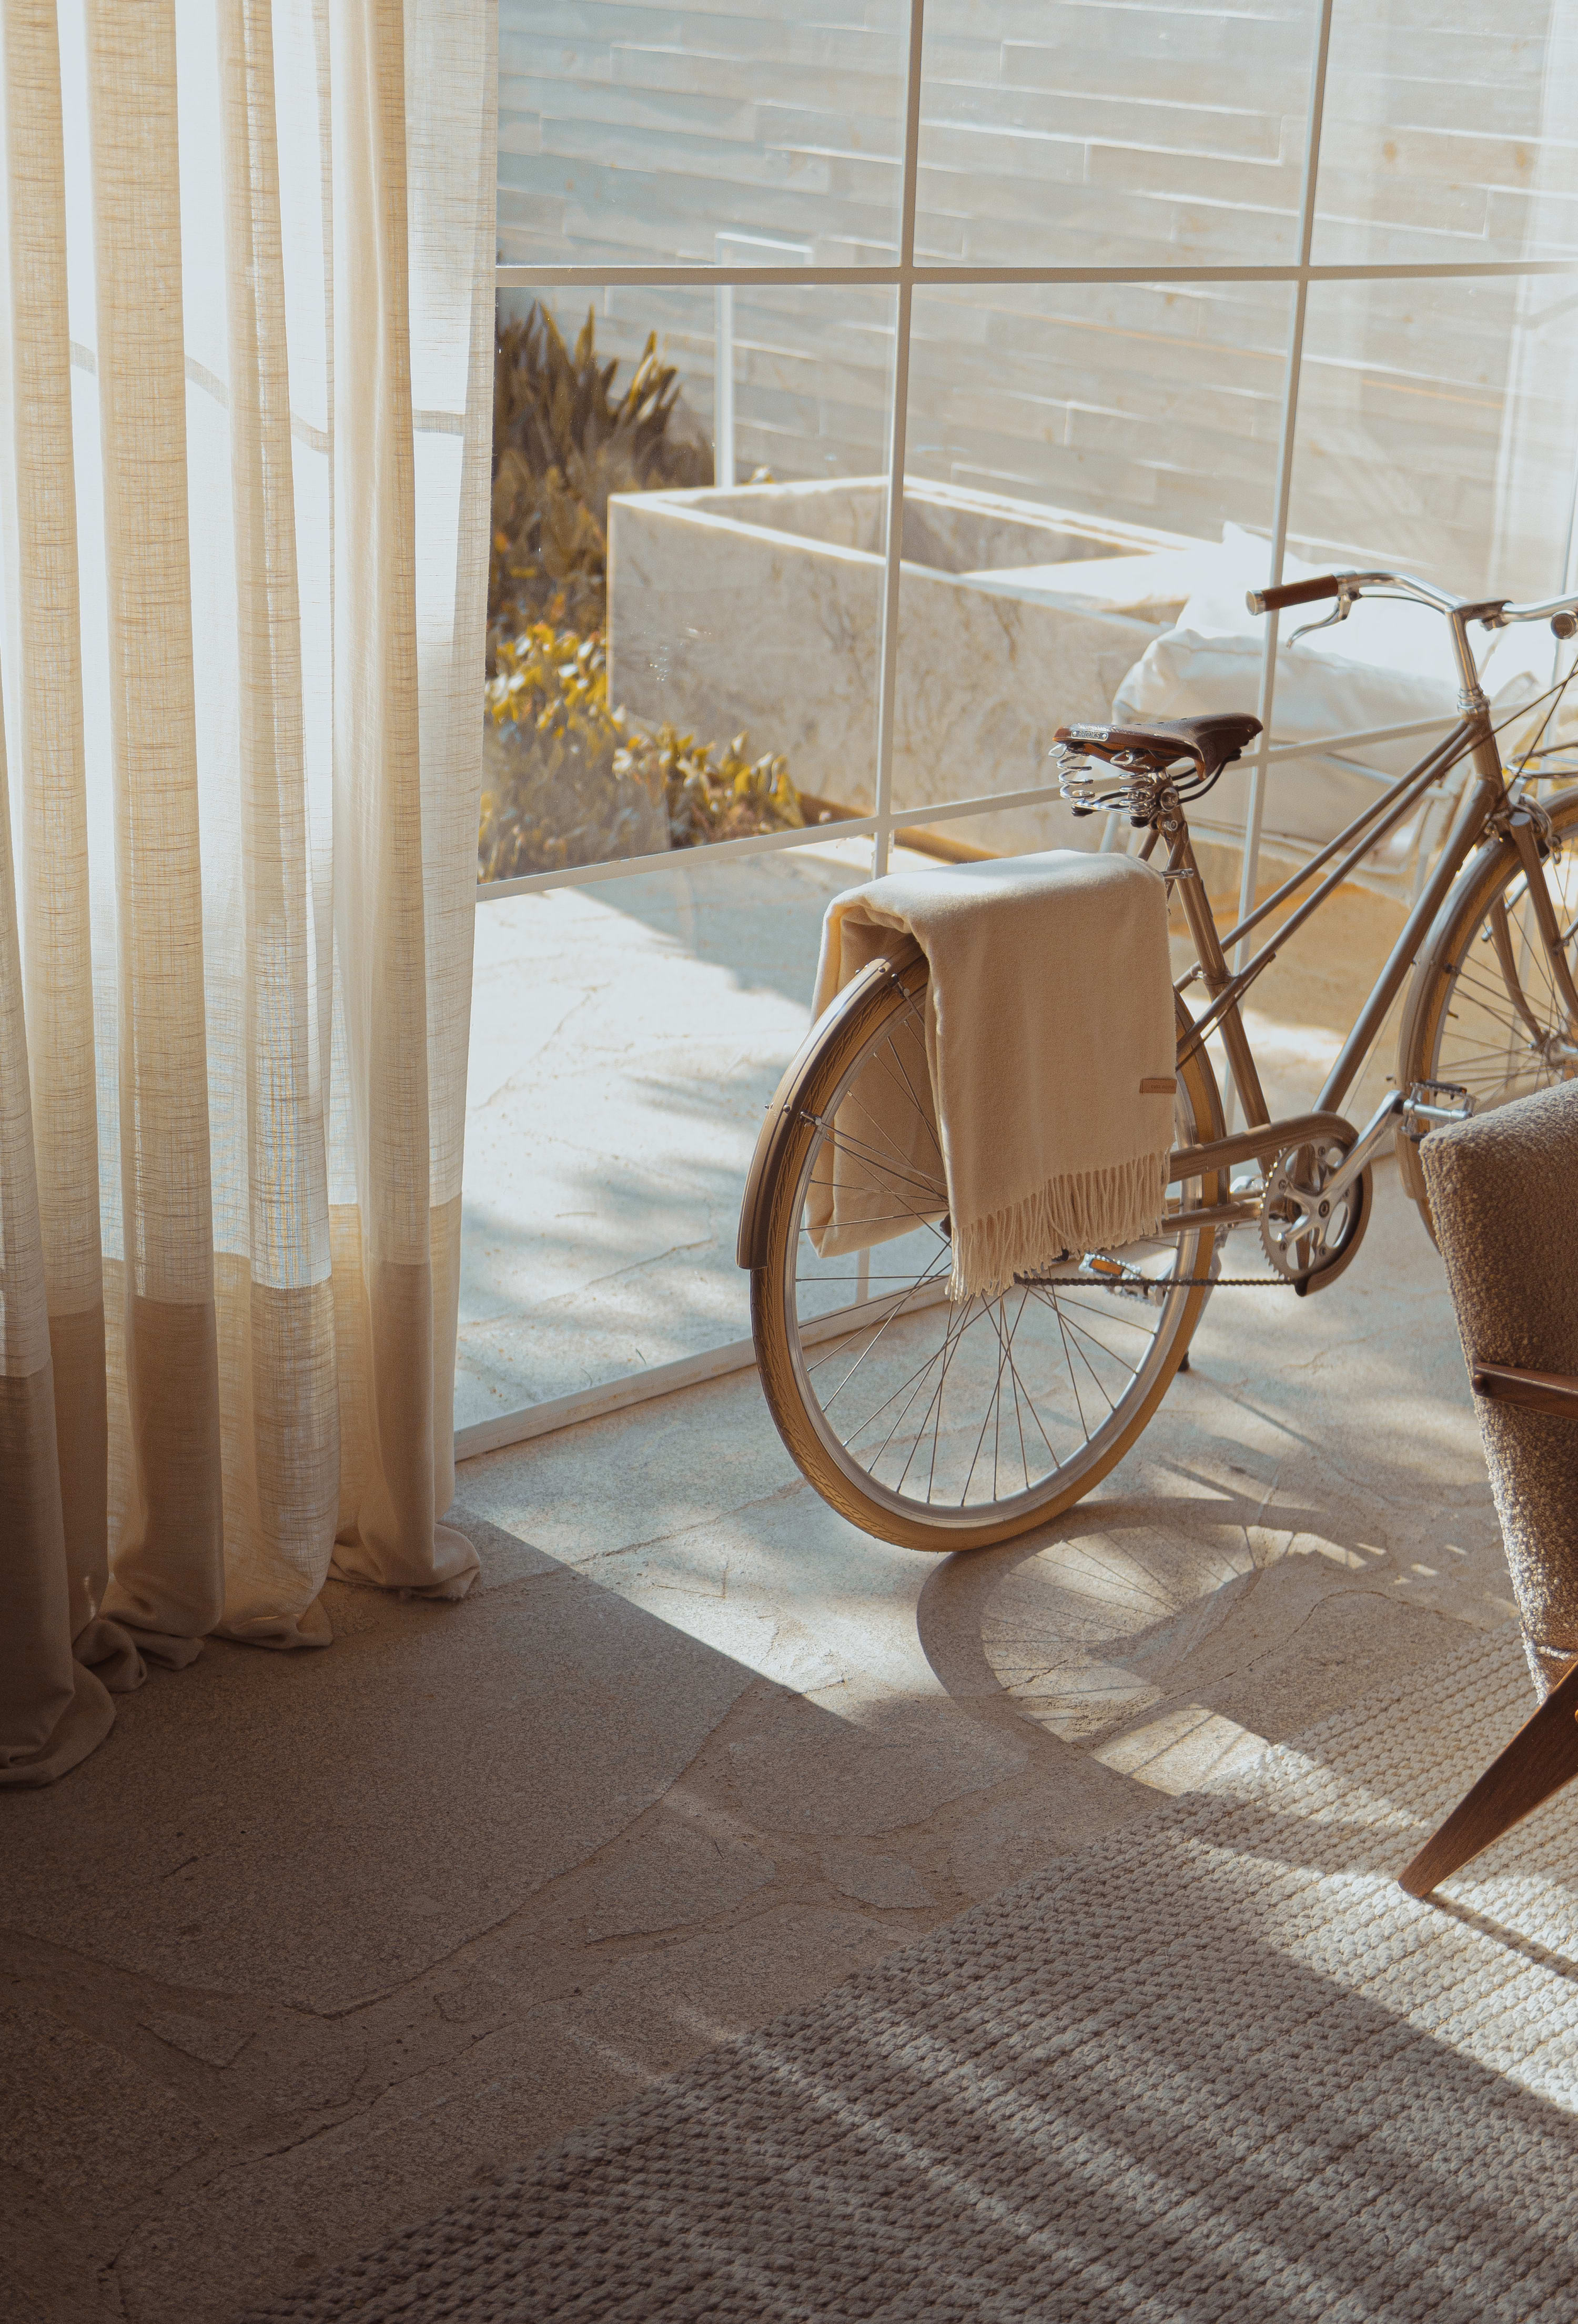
pixel 244 470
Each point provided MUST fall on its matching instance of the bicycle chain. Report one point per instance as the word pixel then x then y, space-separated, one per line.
pixel 1183 1283
pixel 1233 1282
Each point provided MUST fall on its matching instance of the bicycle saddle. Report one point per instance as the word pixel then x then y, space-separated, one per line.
pixel 1211 742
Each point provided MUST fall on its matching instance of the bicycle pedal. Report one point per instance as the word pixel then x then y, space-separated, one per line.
pixel 1433 1105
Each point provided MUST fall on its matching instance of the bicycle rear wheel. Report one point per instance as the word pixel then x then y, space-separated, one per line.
pixel 1483 1011
pixel 935 1425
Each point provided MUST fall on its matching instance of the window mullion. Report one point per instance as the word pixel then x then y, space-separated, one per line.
pixel 898 416
pixel 1255 810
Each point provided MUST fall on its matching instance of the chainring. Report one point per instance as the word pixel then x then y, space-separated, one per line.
pixel 1306 1234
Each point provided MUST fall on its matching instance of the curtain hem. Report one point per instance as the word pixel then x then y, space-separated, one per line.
pixel 81 1727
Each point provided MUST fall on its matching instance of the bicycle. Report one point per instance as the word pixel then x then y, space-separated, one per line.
pixel 946 1426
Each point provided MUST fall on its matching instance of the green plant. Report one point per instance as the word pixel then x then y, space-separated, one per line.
pixel 568 781
pixel 715 790
pixel 564 439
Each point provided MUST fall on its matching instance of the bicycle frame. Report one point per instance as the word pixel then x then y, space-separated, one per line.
pixel 1485 806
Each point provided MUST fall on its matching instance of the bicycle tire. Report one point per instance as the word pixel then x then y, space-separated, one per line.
pixel 847 1039
pixel 1459 1022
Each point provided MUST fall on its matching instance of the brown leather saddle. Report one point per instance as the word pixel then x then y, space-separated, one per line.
pixel 1212 741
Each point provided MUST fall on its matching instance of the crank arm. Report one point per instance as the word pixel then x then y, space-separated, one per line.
pixel 1418 1117
pixel 1374 1135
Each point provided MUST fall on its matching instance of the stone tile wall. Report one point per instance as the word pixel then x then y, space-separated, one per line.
pixel 1438 423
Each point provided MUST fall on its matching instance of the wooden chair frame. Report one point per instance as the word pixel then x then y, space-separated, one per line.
pixel 1543 1756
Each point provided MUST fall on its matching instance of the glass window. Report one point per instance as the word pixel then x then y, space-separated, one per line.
pixel 1447 134
pixel 611 1120
pixel 700 633
pixel 1081 464
pixel 646 134
pixel 1059 134
pixel 673 661
pixel 1438 431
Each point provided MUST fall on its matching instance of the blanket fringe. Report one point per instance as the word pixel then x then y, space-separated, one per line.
pixel 1086 1210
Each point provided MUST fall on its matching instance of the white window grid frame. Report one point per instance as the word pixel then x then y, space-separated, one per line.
pixel 905 277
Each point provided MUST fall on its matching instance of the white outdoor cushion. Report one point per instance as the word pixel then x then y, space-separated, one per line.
pixel 1388 664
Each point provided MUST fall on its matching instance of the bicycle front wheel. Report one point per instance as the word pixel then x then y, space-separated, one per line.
pixel 938 1424
pixel 1484 1009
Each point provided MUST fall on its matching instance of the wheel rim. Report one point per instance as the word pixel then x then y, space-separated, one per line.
pixel 957 1414
pixel 1483 1043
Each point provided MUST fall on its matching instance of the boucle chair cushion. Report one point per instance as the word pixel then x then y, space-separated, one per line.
pixel 1504 1195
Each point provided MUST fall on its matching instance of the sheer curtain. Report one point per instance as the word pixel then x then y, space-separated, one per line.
pixel 246 377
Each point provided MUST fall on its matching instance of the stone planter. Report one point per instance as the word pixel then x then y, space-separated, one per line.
pixel 761 608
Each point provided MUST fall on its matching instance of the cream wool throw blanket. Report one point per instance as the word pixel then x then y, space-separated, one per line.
pixel 1045 1070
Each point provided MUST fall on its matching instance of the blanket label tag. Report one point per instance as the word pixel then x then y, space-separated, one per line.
pixel 1158 1085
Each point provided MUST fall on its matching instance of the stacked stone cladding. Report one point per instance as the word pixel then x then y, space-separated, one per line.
pixel 1437 420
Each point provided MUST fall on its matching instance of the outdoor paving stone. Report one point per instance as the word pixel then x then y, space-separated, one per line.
pixel 610 1126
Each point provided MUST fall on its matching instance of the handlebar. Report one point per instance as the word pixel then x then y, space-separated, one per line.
pixel 1293 593
pixel 1495 613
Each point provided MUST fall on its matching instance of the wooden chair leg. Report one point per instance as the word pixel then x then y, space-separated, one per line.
pixel 1541 1757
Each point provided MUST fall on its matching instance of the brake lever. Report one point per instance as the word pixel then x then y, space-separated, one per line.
pixel 1339 612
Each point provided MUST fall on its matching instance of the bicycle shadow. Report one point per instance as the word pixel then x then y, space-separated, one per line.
pixel 1128 1614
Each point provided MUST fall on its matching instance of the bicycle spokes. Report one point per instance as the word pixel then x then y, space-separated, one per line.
pixel 940 1405
pixel 1508 1027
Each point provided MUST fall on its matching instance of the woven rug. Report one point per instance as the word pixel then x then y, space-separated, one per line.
pixel 1217 2066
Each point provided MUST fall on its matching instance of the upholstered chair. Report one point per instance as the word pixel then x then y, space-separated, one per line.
pixel 1504 1190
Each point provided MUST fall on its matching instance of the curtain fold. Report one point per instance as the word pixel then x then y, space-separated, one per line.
pixel 244 436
